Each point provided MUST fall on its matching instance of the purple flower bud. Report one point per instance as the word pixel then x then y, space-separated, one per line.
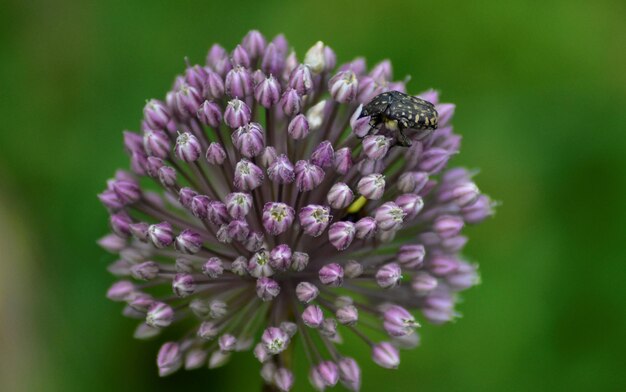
pixel 147 270
pixel 330 59
pixel 199 206
pixel 223 235
pixel 434 159
pixel 153 164
pixel 329 373
pixel 376 147
pixel 120 224
pixel 423 283
pixel 301 80
pixel 120 291
pixel 411 204
pixel 210 114
pixel 254 43
pixel 213 268
pixel 438 307
pixel 360 126
pixel 238 82
pixel 389 216
pixel 249 139
pixel 274 340
pixel 273 60
pixel 156 143
pixel 254 242
pixel 238 204
pixel 185 196
pixel 280 257
pixel 227 342
pixel 240 57
pixel 398 321
pixel 277 218
pixel 350 373
pixel 314 219
pixel 445 111
pixel 298 127
pixel 257 77
pixel 465 194
pixel 299 261
pixel 412 182
pixel 237 113
pixel 156 114
pixel 281 170
pixel 353 269
pixel 218 358
pixel 213 87
pixel 169 359
pixel 267 289
pixel 312 316
pixel 187 147
pixel 372 186
pixel 259 264
pixel 365 228
pixel 343 86
pixel 308 176
pixel 239 266
pixel 283 379
pixel 267 93
pixel 248 176
pixel 347 315
pixel 341 234
pixel 340 196
pixel 464 277
pixel 195 76
pixel 479 211
pixel 161 234
pixel 159 315
pixel 238 230
pixel 217 309
pixel 110 200
pixel 442 265
pixel 411 256
pixel 183 265
pixel 215 154
pixel 217 212
pixel 217 59
pixel 389 275
pixel 329 328
pixel 382 70
pixel 306 292
pixel 139 231
pixel 331 275
pixel 268 370
pixel 268 156
pixel 448 226
pixel 112 243
pixel 183 285
pixel 261 353
pixel 386 355
pixel 323 155
pixel 291 102
pixel 187 100
pixel 133 142
pixel 195 359
pixel 188 241
pixel 167 176
pixel 342 160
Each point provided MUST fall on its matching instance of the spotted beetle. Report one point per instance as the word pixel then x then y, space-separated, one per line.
pixel 400 111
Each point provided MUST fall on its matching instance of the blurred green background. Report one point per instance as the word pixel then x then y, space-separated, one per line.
pixel 540 88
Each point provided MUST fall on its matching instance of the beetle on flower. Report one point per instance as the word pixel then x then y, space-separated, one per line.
pixel 259 159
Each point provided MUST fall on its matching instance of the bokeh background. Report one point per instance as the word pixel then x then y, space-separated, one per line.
pixel 540 88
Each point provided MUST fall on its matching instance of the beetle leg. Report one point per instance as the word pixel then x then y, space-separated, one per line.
pixel 402 139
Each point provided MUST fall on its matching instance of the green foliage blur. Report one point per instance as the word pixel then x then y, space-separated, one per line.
pixel 540 88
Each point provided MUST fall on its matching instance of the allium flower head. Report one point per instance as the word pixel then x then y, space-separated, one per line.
pixel 283 218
